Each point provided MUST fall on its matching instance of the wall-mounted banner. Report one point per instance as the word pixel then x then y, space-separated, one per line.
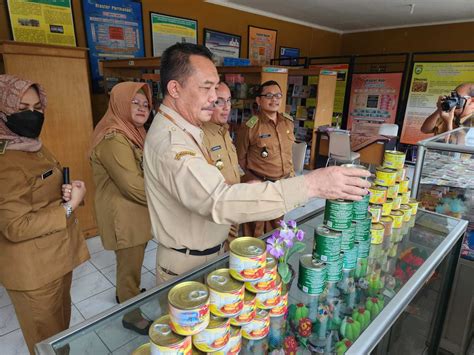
pixel 167 30
pixel 374 97
pixel 114 30
pixel 261 45
pixel 42 21
pixel 222 44
pixel 429 81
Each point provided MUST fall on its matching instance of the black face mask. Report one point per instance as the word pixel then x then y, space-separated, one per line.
pixel 26 123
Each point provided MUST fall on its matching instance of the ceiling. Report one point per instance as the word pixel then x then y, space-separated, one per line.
pixel 345 16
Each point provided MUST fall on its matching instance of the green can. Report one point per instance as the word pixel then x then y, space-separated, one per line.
pixel 361 207
pixel 327 244
pixel 362 228
pixel 349 260
pixel 338 214
pixel 364 248
pixel 361 268
pixel 312 275
pixel 334 270
pixel 348 237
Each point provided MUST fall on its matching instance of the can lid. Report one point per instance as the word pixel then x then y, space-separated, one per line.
pixel 249 296
pixel 412 200
pixel 396 213
pixel 143 349
pixel 396 152
pixel 221 281
pixel 405 207
pixel 386 219
pixel 261 314
pixel 354 166
pixel 271 262
pixel 161 334
pixel 188 295
pixel 384 169
pixel 218 322
pixel 247 246
pixel 376 226
pixel 325 231
pixel 309 262
pixel 378 187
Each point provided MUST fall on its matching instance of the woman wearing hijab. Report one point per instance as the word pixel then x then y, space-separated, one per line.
pixel 120 201
pixel 40 239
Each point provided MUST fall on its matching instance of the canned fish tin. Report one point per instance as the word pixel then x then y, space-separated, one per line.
pixel 234 345
pixel 189 307
pixel 312 275
pixel 268 281
pixel 406 209
pixel 258 328
pixel 281 308
pixel 226 294
pixel 164 341
pixel 348 236
pixel 349 258
pixel 362 228
pixel 385 176
pixel 392 191
pixel 327 243
pixel 401 174
pixel 248 312
pixel 360 207
pixel 338 214
pixel 271 298
pixel 334 270
pixel 247 258
pixel 387 222
pixel 214 337
pixel 378 194
pixel 376 233
pixel 397 219
pixel 145 349
pixel 397 201
pixel 413 203
pixel 363 250
pixel 376 211
pixel 393 159
pixel 387 207
pixel 404 185
pixel 405 197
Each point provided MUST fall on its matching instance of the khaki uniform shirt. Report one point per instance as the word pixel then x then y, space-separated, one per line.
pixel 120 201
pixel 260 134
pixel 38 244
pixel 191 205
pixel 222 151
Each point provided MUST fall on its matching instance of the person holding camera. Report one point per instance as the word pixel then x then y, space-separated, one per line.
pixel 452 111
pixel 40 238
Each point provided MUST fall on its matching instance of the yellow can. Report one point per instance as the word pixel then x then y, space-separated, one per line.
pixel 401 174
pixel 404 184
pixel 145 349
pixel 385 176
pixel 393 159
pixel 189 307
pixel 259 327
pixel 397 219
pixel 387 222
pixel 282 307
pixel 392 191
pixel 376 233
pixel 406 209
pixel 405 197
pixel 226 294
pixel 164 341
pixel 247 258
pixel 387 207
pixel 271 298
pixel 234 345
pixel 396 202
pixel 248 312
pixel 378 194
pixel 268 281
pixel 413 203
pixel 376 212
pixel 214 337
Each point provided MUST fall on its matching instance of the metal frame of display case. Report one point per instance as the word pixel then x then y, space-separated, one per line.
pixel 369 339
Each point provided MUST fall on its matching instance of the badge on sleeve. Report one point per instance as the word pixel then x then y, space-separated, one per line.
pixel 179 155
pixel 3 146
pixel 287 116
pixel 252 121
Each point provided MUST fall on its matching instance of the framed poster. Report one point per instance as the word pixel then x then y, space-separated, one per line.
pixel 42 21
pixel 428 81
pixel 374 97
pixel 114 30
pixel 222 44
pixel 167 30
pixel 261 45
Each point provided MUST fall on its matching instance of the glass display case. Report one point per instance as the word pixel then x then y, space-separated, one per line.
pixel 399 274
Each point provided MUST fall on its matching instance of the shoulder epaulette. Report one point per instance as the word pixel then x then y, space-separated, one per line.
pixel 252 121
pixel 110 135
pixel 287 116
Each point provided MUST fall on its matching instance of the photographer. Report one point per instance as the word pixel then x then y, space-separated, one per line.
pixel 446 119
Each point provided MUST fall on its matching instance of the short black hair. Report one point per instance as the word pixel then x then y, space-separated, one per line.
pixel 175 63
pixel 265 84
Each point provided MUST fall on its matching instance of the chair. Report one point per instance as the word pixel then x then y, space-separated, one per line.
pixel 299 153
pixel 340 148
pixel 388 129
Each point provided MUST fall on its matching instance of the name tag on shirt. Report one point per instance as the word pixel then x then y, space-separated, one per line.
pixel 265 135
pixel 47 174
pixel 217 147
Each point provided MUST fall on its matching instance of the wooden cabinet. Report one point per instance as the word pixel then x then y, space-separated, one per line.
pixel 67 130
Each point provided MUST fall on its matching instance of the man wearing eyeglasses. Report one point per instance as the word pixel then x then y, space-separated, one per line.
pixel 219 145
pixel 264 147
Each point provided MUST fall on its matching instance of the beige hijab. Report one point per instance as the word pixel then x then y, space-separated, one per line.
pixel 119 115
pixel 12 89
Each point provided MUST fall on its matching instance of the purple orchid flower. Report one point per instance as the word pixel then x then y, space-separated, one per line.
pixel 275 247
pixel 282 224
pixel 287 235
pixel 292 224
pixel 300 235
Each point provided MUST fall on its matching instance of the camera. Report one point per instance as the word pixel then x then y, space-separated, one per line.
pixel 453 100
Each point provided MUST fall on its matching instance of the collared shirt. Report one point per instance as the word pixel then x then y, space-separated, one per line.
pixel 222 151
pixel 265 148
pixel 190 204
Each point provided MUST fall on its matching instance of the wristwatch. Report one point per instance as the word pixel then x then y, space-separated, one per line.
pixel 67 206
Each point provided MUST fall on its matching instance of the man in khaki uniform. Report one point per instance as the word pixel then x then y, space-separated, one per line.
pixel 191 205
pixel 219 145
pixel 264 148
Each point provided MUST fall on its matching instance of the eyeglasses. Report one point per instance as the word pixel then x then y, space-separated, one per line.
pixel 139 104
pixel 270 96
pixel 220 102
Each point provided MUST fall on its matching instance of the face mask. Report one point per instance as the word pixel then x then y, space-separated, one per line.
pixel 26 123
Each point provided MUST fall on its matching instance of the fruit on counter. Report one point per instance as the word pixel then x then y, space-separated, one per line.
pixel 362 315
pixel 290 345
pixel 305 327
pixel 342 346
pixel 374 305
pixel 350 328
